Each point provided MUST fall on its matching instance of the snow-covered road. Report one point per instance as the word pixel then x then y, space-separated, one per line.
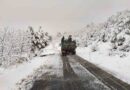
pixel 71 79
pixel 50 70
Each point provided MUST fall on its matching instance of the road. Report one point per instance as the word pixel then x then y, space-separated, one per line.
pixel 79 74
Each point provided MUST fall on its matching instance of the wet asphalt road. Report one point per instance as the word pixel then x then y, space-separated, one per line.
pixel 79 74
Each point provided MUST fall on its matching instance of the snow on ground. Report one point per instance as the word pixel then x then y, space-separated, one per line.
pixel 9 77
pixel 52 66
pixel 115 65
pixel 52 49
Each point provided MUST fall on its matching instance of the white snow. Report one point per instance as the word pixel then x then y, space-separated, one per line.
pixel 115 65
pixel 52 66
pixel 9 77
pixel 53 48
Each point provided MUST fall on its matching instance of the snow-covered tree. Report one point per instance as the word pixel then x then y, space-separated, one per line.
pixel 16 44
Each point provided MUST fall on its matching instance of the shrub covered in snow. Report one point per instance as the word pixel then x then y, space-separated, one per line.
pixel 39 40
pixel 115 30
pixel 94 47
pixel 13 44
pixel 16 44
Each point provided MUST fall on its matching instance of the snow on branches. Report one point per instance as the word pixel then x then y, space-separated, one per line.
pixel 16 44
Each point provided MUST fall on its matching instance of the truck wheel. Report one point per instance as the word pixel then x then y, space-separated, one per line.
pixel 74 53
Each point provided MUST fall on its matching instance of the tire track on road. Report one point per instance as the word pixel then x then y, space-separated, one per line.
pixel 106 78
pixel 67 69
pixel 49 76
pixel 89 81
pixel 71 80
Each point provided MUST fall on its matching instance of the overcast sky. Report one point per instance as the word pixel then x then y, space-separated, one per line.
pixel 58 15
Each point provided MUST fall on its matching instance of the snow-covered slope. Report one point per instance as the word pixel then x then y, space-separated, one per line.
pixel 115 30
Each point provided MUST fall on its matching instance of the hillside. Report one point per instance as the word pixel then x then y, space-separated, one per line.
pixel 116 31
